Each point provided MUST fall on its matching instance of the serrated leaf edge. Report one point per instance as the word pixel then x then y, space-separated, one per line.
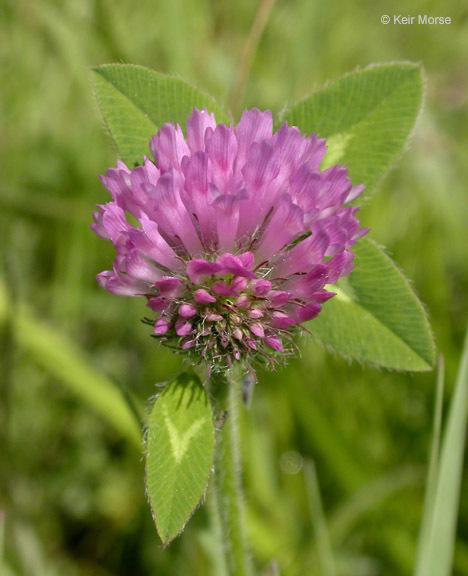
pixel 153 399
pixel 419 303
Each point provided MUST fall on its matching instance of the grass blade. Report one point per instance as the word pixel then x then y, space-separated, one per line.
pixel 438 531
pixel 70 365
pixel 431 482
pixel 324 549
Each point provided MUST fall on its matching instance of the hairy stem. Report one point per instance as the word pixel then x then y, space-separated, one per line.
pixel 217 552
pixel 228 482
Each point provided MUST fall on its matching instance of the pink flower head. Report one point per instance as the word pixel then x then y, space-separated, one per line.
pixel 239 234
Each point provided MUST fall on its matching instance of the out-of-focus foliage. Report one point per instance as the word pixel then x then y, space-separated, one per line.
pixel 71 487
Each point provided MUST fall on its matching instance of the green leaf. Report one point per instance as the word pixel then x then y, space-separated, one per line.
pixel 136 101
pixel 375 316
pixel 179 453
pixel 435 555
pixel 366 117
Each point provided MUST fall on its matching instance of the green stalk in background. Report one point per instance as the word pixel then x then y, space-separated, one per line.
pixel 438 529
pixel 67 362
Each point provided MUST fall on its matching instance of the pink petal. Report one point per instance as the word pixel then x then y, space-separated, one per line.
pixel 260 287
pixel 239 283
pixel 305 186
pixel 119 284
pixel 222 151
pixel 226 207
pixel 250 343
pixel 284 225
pixel 168 286
pixel 307 312
pixel 259 171
pixel 335 188
pixel 242 302
pixel 281 320
pixel 168 147
pixel 152 173
pixel 247 259
pixel 201 296
pixel 196 196
pixel 198 268
pixel 256 313
pixel 220 288
pixel 171 214
pixel 339 265
pixel 182 327
pixel 187 310
pixel 161 326
pixel 114 221
pixel 237 333
pixel 274 342
pixel 157 304
pixel 305 254
pixel 151 244
pixel 213 317
pixel 97 226
pixel 187 343
pixel 197 125
pixel 233 265
pixel 253 126
pixel 140 269
pixel 117 182
pixel 354 193
pixel 288 142
pixel 305 286
pixel 257 329
pixel 312 151
pixel 279 298
pixel 322 296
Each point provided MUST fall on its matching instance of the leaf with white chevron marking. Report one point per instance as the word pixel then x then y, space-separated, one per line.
pixel 179 453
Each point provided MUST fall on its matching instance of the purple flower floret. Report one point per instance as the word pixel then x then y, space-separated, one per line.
pixel 238 234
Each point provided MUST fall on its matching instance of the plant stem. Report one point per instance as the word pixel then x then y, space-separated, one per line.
pixel 228 482
pixel 217 552
pixel 248 51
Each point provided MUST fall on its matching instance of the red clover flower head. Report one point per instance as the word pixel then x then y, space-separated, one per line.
pixel 238 235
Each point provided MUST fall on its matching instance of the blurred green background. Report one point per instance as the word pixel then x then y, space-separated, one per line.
pixel 71 486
